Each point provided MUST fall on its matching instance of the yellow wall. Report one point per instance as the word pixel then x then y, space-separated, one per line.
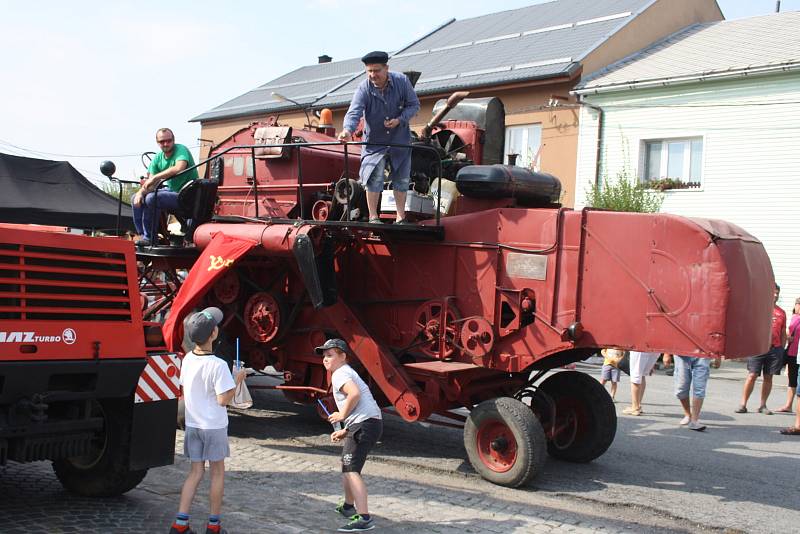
pixel 657 21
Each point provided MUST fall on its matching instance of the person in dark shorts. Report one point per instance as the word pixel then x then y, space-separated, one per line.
pixel 768 364
pixel 363 425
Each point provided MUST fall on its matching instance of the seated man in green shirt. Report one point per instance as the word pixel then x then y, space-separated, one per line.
pixel 172 159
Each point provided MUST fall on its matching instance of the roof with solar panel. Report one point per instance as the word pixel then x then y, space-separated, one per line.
pixel 542 41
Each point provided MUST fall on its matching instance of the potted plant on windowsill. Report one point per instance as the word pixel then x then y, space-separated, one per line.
pixel 665 184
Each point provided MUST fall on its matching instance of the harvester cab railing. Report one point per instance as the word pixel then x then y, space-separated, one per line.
pixel 299 147
pixel 108 169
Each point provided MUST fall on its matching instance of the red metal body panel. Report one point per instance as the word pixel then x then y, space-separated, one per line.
pixel 278 183
pixel 68 297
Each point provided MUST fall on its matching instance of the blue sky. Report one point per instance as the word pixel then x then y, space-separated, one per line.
pixel 88 80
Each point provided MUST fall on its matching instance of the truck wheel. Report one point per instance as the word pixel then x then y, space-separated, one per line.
pixel 585 418
pixel 505 443
pixel 104 471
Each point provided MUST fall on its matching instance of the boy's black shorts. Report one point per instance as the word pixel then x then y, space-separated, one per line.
pixel 358 441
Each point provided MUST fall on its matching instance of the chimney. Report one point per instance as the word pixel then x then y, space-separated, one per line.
pixel 324 58
pixel 413 76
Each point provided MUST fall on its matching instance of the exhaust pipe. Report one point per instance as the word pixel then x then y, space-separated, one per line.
pixel 452 102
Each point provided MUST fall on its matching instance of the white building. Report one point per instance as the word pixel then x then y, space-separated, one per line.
pixel 715 107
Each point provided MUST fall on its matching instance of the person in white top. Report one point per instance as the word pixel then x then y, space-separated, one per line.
pixel 363 426
pixel 641 364
pixel 208 388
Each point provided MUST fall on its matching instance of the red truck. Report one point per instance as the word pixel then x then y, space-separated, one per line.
pixel 81 382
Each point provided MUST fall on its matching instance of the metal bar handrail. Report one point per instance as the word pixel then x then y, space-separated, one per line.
pixel 312 145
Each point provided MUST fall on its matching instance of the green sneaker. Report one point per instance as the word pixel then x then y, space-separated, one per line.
pixel 347 511
pixel 358 524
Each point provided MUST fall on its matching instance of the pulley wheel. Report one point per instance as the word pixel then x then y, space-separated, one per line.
pixel 345 188
pixel 262 317
pixel 226 289
pixel 477 337
pixel 321 210
pixel 433 327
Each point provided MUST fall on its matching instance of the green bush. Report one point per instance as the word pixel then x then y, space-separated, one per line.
pixel 624 193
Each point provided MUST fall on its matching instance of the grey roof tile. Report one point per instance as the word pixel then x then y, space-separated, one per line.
pixel 539 41
pixel 716 47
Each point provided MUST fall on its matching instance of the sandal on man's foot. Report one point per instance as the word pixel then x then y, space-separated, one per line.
pixel 791 431
pixel 765 410
pixel 403 222
pixel 740 409
pixel 375 220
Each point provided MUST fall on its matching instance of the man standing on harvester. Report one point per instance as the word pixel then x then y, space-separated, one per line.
pixel 387 102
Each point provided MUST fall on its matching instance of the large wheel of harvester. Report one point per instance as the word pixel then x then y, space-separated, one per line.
pixel 226 289
pixel 104 471
pixel 585 419
pixel 505 442
pixel 263 316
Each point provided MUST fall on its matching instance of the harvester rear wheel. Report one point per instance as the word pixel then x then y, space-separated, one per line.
pixel 505 443
pixel 585 418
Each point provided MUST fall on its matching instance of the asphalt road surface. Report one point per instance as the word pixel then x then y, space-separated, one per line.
pixel 740 474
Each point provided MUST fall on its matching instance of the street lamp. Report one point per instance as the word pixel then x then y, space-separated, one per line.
pixel 282 98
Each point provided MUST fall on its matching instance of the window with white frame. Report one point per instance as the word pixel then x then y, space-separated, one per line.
pixel 526 142
pixel 673 163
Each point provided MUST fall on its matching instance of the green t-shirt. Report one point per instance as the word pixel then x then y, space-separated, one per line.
pixel 161 163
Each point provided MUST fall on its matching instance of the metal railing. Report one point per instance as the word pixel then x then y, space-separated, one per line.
pixel 299 147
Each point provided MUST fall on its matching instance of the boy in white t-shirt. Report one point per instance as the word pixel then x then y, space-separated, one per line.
pixel 363 426
pixel 208 388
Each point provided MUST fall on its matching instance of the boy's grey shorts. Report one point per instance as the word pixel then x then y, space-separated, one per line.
pixel 200 445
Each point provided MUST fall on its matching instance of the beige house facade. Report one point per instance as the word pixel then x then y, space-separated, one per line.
pixel 530 58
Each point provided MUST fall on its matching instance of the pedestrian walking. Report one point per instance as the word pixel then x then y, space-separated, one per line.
pixel 791 358
pixel 767 365
pixel 610 371
pixel 793 430
pixel 691 376
pixel 641 365
pixel 208 387
pixel 363 426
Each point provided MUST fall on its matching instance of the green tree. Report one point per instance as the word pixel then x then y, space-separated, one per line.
pixel 113 189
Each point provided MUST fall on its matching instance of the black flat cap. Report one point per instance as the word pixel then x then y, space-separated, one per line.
pixel 375 57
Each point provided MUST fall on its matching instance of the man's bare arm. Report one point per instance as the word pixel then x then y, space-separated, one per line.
pixel 154 179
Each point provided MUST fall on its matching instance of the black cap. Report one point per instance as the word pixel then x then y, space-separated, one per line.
pixel 375 57
pixel 332 344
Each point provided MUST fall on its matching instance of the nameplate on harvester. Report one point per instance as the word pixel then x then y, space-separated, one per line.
pixel 531 266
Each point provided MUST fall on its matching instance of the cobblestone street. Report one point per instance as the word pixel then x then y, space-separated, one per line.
pixel 294 488
pixel 283 476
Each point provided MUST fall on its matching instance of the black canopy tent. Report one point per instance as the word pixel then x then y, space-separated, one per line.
pixel 40 191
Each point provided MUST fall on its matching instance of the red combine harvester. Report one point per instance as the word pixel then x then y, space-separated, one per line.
pixel 465 310
pixel 81 380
